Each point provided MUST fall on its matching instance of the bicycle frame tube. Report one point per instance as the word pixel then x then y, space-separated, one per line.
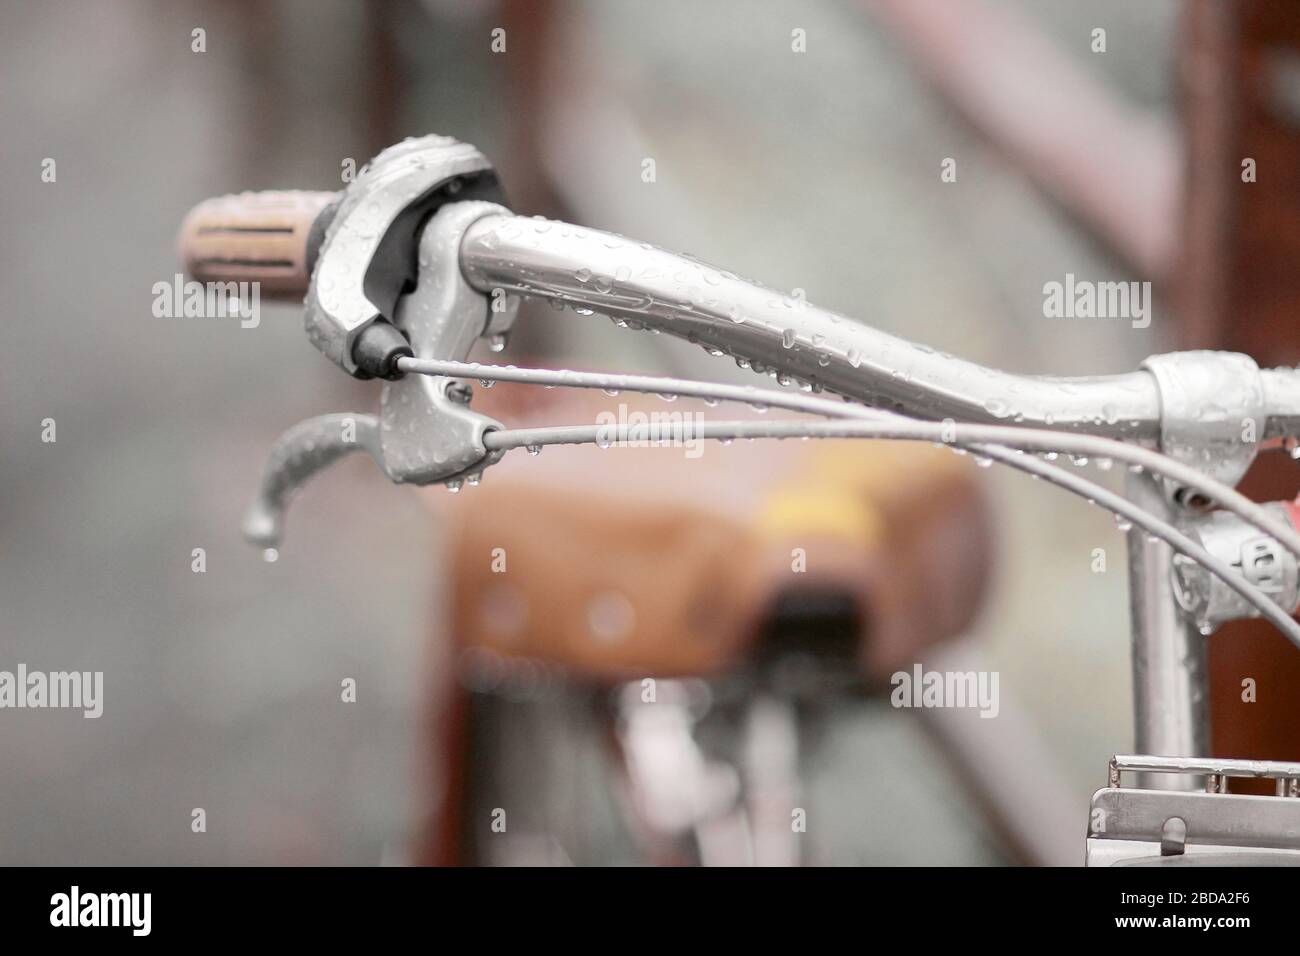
pixel 1169 680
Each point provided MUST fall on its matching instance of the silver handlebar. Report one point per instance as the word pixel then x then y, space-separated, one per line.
pixel 637 282
pixel 642 284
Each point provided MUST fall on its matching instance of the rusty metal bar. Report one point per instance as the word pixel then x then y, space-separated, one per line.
pixel 1113 167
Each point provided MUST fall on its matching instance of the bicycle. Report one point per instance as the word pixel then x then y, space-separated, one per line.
pixel 419 258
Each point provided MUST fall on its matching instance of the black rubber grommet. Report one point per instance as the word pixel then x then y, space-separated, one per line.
pixel 377 350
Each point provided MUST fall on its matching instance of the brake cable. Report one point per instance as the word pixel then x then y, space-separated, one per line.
pixel 961 435
pixel 988 441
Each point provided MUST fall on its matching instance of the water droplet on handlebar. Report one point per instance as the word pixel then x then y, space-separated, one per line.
pixel 534 450
pixel 453 486
pixel 497 343
pixel 787 338
pixel 270 555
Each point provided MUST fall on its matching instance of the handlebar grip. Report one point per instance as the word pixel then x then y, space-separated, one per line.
pixel 267 237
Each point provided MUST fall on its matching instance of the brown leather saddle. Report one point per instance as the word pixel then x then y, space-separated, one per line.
pixel 618 563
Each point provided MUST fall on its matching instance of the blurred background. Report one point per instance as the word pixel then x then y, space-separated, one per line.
pixel 817 170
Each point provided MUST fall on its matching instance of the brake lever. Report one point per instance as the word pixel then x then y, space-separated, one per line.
pixel 298 454
pixel 425 431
